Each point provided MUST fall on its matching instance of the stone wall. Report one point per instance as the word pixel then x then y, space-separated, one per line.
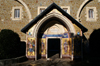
pixel 16 25
pixel 5 17
pixel 91 25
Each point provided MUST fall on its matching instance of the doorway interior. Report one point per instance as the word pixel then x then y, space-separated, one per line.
pixel 54 46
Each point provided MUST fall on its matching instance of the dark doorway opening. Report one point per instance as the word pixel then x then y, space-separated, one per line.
pixel 53 47
pixel 38 49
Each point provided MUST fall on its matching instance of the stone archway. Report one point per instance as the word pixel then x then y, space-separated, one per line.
pixel 58 17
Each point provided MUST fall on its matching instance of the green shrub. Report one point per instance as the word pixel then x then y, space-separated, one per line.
pixel 9 44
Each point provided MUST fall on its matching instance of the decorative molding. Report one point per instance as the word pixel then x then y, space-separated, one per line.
pixel 66 21
pixel 27 9
pixel 59 16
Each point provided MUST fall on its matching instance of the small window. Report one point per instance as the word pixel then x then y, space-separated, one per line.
pixel 65 9
pixel 16 13
pixel 91 13
pixel 42 9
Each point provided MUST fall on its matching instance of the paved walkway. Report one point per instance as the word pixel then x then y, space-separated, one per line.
pixel 44 62
pixel 56 61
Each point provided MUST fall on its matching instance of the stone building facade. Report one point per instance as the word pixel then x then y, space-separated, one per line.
pixel 81 17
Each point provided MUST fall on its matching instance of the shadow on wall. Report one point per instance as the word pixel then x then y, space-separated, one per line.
pixel 22 48
pixel 10 45
pixel 77 47
pixel 81 48
pixel 94 44
pixel 91 50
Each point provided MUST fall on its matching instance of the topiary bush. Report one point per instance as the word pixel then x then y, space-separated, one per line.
pixel 94 43
pixel 9 44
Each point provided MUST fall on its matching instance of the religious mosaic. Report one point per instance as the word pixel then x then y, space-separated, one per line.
pixel 31 47
pixel 43 47
pixel 65 46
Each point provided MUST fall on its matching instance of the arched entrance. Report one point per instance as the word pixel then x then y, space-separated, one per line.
pixel 47 28
pixel 53 29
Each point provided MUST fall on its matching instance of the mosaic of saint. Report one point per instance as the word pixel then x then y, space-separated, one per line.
pixel 31 47
pixel 65 46
pixel 43 46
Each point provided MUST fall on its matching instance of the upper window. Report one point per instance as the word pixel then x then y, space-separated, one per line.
pixel 91 14
pixel 41 9
pixel 16 13
pixel 65 8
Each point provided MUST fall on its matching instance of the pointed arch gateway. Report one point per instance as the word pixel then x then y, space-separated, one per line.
pixel 67 23
pixel 51 29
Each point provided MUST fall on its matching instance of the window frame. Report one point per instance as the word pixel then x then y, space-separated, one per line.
pixel 13 13
pixel 94 14
pixel 16 13
pixel 91 14
pixel 41 7
pixel 66 7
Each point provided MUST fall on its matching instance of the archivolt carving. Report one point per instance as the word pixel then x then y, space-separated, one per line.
pixel 64 19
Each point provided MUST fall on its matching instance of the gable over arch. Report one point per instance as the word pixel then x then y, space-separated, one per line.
pixel 46 11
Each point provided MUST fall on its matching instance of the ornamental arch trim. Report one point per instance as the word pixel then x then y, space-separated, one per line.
pixel 59 16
